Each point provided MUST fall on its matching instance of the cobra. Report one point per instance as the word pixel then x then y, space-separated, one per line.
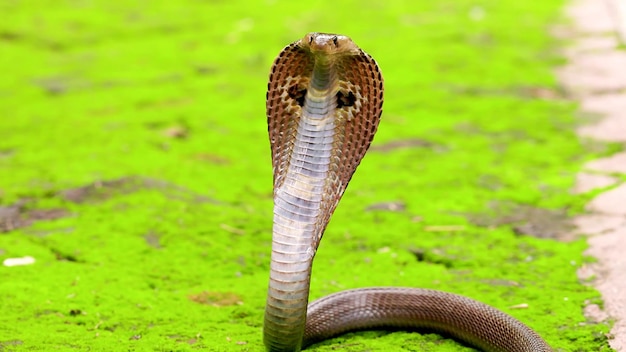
pixel 324 102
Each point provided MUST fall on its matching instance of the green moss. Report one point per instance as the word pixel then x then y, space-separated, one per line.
pixel 168 99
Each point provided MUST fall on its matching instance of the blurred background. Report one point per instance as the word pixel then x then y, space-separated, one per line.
pixel 135 169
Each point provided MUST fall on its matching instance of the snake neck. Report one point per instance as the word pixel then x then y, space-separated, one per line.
pixel 320 100
pixel 299 214
pixel 323 75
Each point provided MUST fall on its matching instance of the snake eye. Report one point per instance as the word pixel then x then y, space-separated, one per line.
pixel 310 39
pixel 335 40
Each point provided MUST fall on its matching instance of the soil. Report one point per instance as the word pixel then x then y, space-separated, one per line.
pixel 596 75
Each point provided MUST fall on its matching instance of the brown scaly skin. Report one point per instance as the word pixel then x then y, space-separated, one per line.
pixel 324 102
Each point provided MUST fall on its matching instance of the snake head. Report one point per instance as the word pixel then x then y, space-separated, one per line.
pixel 328 44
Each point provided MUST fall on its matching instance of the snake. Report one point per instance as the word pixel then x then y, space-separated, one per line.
pixel 323 105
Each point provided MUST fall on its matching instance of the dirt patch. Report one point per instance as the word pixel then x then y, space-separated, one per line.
pixel 102 190
pixel 404 144
pixel 216 299
pixel 24 212
pixel 596 76
pixel 18 215
pixel 524 219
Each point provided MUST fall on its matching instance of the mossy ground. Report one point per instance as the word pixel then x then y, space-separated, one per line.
pixel 157 111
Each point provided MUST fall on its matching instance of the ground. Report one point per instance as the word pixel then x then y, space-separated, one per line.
pixel 135 171
pixel 596 76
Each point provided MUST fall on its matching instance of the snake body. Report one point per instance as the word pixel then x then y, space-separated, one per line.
pixel 323 104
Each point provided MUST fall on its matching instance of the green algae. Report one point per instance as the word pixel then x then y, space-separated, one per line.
pixel 155 112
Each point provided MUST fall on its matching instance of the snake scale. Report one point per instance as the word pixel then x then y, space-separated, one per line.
pixel 323 105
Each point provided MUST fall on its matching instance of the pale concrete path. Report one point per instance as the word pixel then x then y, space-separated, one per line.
pixel 596 76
